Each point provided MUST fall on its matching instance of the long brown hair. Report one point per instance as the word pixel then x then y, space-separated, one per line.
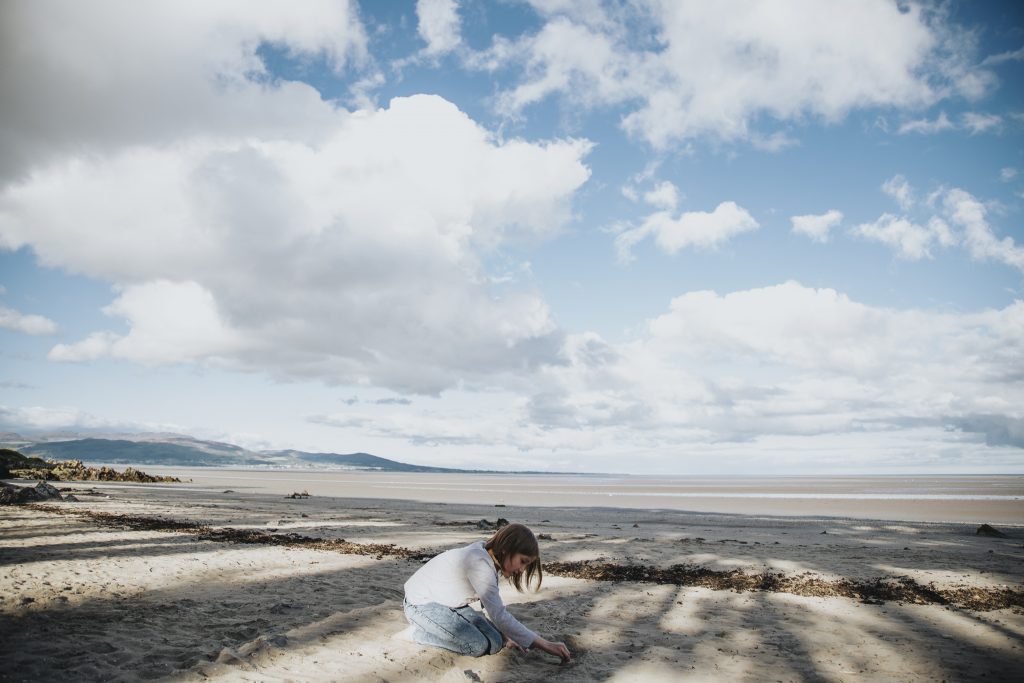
pixel 512 539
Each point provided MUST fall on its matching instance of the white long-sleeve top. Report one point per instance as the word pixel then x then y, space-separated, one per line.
pixel 459 576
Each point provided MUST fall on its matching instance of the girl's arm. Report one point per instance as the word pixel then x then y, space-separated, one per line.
pixel 480 573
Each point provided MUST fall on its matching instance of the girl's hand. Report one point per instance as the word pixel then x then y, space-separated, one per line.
pixel 513 645
pixel 557 649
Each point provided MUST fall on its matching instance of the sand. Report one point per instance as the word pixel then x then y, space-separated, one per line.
pixel 89 597
pixel 970 498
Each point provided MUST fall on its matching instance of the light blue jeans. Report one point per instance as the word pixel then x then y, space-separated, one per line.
pixel 462 629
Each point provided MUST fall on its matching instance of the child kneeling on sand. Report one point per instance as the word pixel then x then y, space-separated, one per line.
pixel 437 596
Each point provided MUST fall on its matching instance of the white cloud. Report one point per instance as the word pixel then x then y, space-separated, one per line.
pixel 943 234
pixel 169 323
pixel 785 60
pixel 439 25
pixel 631 190
pixel 587 12
pixel 791 358
pixel 356 260
pixel 963 222
pixel 969 214
pixel 714 68
pixel 28 324
pixel 776 142
pixel 981 123
pixel 974 122
pixel 1003 57
pixel 899 189
pixel 363 94
pixel 817 227
pixel 41 418
pixel 911 241
pixel 45 419
pixel 83 77
pixel 757 364
pixel 665 195
pixel 568 58
pixel 927 127
pixel 692 228
pixel 1007 174
pixel 788 324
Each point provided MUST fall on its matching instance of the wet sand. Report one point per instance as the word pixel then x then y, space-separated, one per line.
pixel 150 582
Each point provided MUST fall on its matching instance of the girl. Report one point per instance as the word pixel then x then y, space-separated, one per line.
pixel 437 596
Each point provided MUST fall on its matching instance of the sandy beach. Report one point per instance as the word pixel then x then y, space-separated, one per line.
pixel 969 499
pixel 228 580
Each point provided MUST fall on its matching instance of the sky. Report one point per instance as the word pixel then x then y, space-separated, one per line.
pixel 648 237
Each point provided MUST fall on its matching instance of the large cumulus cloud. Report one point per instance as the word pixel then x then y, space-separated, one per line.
pixel 357 259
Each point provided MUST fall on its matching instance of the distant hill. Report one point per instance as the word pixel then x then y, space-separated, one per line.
pixel 360 461
pixel 184 451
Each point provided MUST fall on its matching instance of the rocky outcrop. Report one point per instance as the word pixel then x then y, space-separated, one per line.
pixel 74 470
pixel 11 460
pixel 16 465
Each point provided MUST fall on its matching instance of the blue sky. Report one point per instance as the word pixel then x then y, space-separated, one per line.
pixel 649 237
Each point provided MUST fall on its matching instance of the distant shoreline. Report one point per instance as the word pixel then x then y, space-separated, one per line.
pixel 546 473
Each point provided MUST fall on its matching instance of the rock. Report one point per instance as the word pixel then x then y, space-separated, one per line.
pixel 46 491
pixel 484 524
pixel 9 494
pixel 991 532
pixel 18 495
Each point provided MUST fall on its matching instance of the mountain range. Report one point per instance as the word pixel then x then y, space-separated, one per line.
pixel 185 451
